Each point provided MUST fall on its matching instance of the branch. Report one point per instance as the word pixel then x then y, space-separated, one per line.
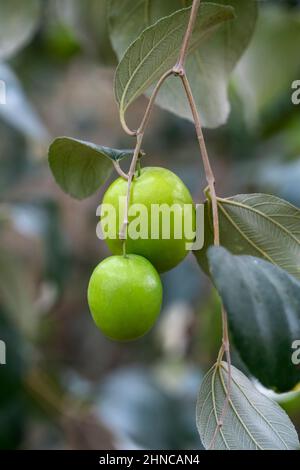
pixel 206 162
pixel 211 183
pixel 179 70
pixel 123 232
pixel 139 139
pixel 179 67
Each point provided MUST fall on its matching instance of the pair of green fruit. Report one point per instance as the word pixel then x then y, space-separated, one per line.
pixel 125 292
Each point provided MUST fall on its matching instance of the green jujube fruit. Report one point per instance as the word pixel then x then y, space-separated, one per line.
pixel 125 297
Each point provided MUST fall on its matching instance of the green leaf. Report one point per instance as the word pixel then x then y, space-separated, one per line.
pixel 263 306
pixel 258 225
pixel 127 19
pixel 208 67
pixel 79 167
pixel 18 21
pixel 252 421
pixel 157 48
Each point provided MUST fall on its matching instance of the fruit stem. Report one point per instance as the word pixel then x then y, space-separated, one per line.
pixel 138 167
pixel 124 249
pixel 139 139
pixel 179 66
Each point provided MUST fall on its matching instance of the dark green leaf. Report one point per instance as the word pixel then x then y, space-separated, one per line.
pixel 252 421
pixel 263 306
pixel 258 225
pixel 79 167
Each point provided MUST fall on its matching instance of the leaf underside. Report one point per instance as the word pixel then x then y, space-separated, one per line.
pixel 258 225
pixel 252 421
pixel 208 67
pixel 155 51
pixel 79 167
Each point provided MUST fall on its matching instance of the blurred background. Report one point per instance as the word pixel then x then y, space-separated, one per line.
pixel 64 385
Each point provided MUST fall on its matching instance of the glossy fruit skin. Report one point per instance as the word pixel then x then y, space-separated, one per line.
pixel 154 185
pixel 125 297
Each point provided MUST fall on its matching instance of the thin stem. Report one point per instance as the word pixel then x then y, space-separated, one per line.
pixel 206 162
pixel 123 232
pixel 124 248
pixel 179 67
pixel 179 70
pixel 225 348
pixel 139 139
pixel 151 103
pixel 120 171
pixel 211 183
pixel 126 129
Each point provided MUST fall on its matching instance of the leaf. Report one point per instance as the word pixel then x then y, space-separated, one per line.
pixel 17 110
pixel 127 19
pixel 259 225
pixel 18 21
pixel 79 167
pixel 252 421
pixel 208 67
pixel 156 50
pixel 263 306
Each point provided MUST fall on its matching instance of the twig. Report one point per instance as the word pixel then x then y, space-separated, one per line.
pixel 123 231
pixel 179 67
pixel 139 139
pixel 179 70
pixel 151 103
pixel 120 171
pixel 206 162
pixel 224 349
